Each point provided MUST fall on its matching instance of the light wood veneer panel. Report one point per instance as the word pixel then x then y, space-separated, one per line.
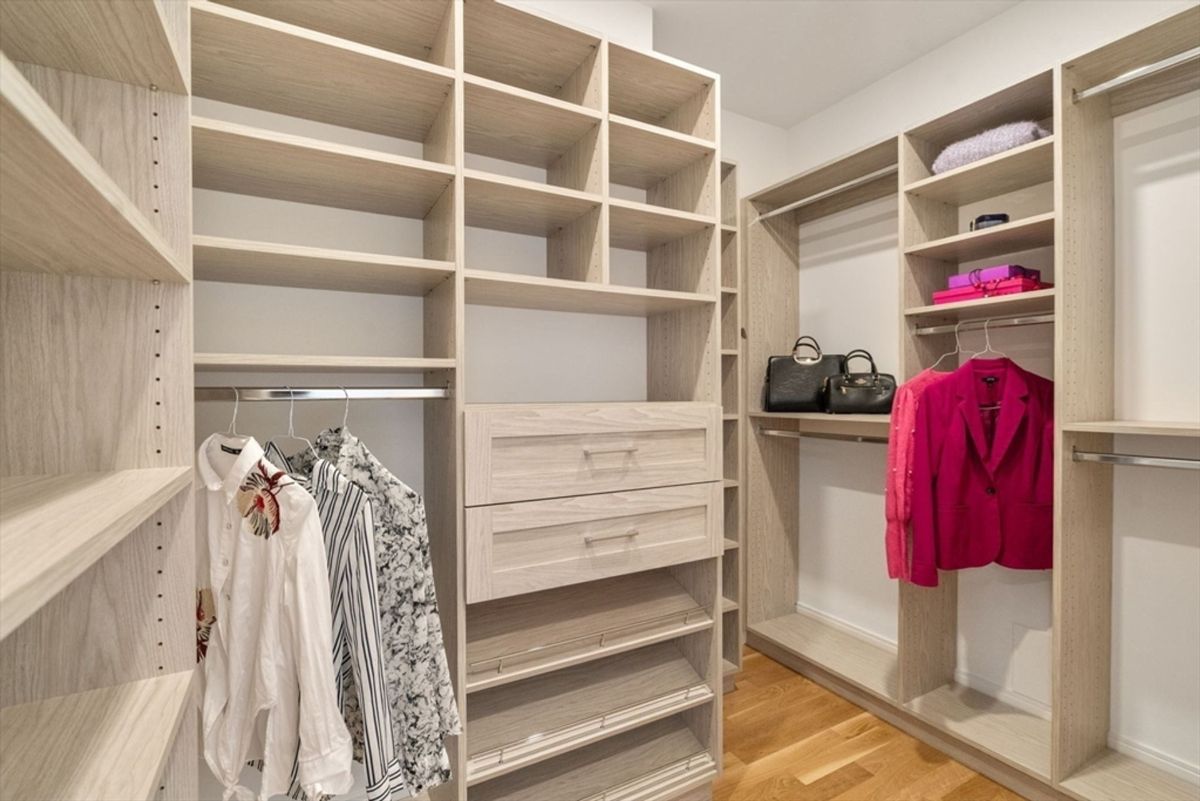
pixel 109 744
pixel 1038 301
pixel 487 288
pixel 1142 428
pixel 644 155
pixel 1025 234
pixel 661 91
pixel 523 207
pixel 641 226
pixel 1118 777
pixel 287 362
pixel 521 126
pixel 1024 166
pixel 866 664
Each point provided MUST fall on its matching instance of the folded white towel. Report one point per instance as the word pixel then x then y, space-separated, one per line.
pixel 988 143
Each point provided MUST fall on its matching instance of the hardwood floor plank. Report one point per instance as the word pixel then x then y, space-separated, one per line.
pixel 980 788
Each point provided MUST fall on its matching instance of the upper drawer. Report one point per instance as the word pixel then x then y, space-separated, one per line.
pixel 523 452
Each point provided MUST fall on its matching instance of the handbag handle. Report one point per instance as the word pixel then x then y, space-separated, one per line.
pixel 811 344
pixel 859 353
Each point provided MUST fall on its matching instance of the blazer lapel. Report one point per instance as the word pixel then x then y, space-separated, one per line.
pixel 970 410
pixel 1012 413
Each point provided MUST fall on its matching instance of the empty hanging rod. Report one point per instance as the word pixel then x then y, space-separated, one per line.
pixel 992 323
pixel 1132 459
pixel 866 179
pixel 320 393
pixel 777 432
pixel 1137 74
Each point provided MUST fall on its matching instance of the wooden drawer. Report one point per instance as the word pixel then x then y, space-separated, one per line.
pixel 524 452
pixel 525 547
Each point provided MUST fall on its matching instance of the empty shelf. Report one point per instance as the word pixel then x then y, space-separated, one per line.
pixel 644 155
pixel 1148 428
pixel 848 425
pixel 251 161
pixel 1024 166
pixel 728 668
pixel 289 363
pixel 522 207
pixel 657 90
pixel 1039 301
pixel 1117 777
pixel 640 226
pixel 728 605
pixel 487 288
pixel 127 41
pixel 54 527
pixel 852 658
pixel 517 125
pixel 60 212
pixel 266 64
pixel 518 724
pixel 410 29
pixel 243 262
pixel 661 759
pixel 731 544
pixel 1005 732
pixel 526 635
pixel 107 743
pixel 1026 234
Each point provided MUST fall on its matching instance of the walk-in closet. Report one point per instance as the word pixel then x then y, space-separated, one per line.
pixel 639 400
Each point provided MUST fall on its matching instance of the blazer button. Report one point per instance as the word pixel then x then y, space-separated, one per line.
pixel 991 490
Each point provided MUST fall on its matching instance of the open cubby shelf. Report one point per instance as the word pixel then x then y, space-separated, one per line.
pixel 852 425
pixel 292 363
pixel 1023 234
pixel 71 217
pixel 487 288
pixel 641 226
pixel 866 663
pixel 643 156
pixel 242 261
pixel 655 89
pixel 263 63
pixel 1038 301
pixel 1141 428
pixel 1018 168
pixel 523 207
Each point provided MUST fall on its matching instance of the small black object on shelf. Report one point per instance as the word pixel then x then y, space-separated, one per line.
pixel 987 221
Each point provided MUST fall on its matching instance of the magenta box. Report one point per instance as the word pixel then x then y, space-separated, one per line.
pixel 1009 286
pixel 997 273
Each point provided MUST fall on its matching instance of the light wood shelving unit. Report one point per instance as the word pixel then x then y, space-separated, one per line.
pixel 96 535
pixel 913 685
pixel 522 125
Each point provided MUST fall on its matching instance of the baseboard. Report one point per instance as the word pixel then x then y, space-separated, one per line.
pixel 847 626
pixel 1165 762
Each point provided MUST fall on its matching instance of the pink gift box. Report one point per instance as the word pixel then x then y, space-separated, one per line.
pixel 997 273
pixel 1009 286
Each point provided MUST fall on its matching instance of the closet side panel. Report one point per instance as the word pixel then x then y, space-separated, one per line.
pixel 1083 391
pixel 772 468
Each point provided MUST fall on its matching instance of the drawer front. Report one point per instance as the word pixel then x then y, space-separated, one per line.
pixel 530 452
pixel 524 547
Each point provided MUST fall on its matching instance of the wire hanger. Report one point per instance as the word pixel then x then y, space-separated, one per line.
pixel 291 432
pixel 237 399
pixel 346 411
pixel 987 342
pixel 958 348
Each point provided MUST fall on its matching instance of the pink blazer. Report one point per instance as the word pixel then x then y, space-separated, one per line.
pixel 983 481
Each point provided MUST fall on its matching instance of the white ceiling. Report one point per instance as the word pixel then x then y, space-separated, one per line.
pixel 783 60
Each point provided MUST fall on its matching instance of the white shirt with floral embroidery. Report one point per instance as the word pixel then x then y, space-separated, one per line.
pixel 268 684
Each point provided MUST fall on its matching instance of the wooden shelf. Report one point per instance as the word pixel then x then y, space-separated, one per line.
pixel 602 768
pixel 729 351
pixel 267 64
pixel 728 228
pixel 728 605
pixel 1031 99
pixel 108 743
pixel 1039 301
pixel 127 41
pixel 241 261
pixel 729 290
pixel 644 155
pixel 1142 428
pixel 487 288
pixel 410 29
pixel 60 211
pixel 655 89
pixel 829 177
pixel 640 226
pixel 1026 234
pixel 730 483
pixel 1117 777
pixel 288 363
pixel 513 124
pixel 54 527
pixel 859 661
pixel 731 544
pixel 519 724
pixel 1015 737
pixel 251 161
pixel 522 207
pixel 627 611
pixel 1021 167
pixel 852 425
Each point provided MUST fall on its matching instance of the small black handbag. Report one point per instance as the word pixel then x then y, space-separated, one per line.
pixel 860 393
pixel 796 383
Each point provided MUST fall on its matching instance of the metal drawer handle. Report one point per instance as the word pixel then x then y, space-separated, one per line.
pixel 589 452
pixel 633 532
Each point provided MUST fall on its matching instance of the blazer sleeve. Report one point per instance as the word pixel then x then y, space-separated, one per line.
pixel 923 486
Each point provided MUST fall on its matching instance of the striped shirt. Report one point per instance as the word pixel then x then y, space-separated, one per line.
pixel 348 521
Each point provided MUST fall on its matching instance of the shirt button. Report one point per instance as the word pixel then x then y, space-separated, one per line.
pixel 991 490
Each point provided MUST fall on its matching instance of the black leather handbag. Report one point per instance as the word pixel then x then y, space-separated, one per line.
pixel 860 393
pixel 796 383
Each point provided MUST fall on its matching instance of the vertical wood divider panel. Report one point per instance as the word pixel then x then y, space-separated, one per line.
pixel 603 58
pixel 1083 363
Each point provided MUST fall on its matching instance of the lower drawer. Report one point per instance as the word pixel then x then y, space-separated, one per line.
pixel 524 547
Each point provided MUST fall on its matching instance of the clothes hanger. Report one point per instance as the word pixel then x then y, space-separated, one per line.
pixel 987 348
pixel 237 399
pixel 957 347
pixel 291 432
pixel 346 411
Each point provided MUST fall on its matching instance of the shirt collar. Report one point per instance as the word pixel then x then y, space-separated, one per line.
pixel 251 453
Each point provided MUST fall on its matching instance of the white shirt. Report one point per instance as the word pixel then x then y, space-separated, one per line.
pixel 269 648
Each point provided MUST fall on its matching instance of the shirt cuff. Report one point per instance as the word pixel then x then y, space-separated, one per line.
pixel 328 773
pixel 924 575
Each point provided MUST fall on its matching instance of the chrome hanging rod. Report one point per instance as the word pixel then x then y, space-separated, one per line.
pixel 866 179
pixel 1132 459
pixel 1137 74
pixel 784 434
pixel 320 393
pixel 992 323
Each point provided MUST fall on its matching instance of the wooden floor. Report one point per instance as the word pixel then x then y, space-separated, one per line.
pixel 788 739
